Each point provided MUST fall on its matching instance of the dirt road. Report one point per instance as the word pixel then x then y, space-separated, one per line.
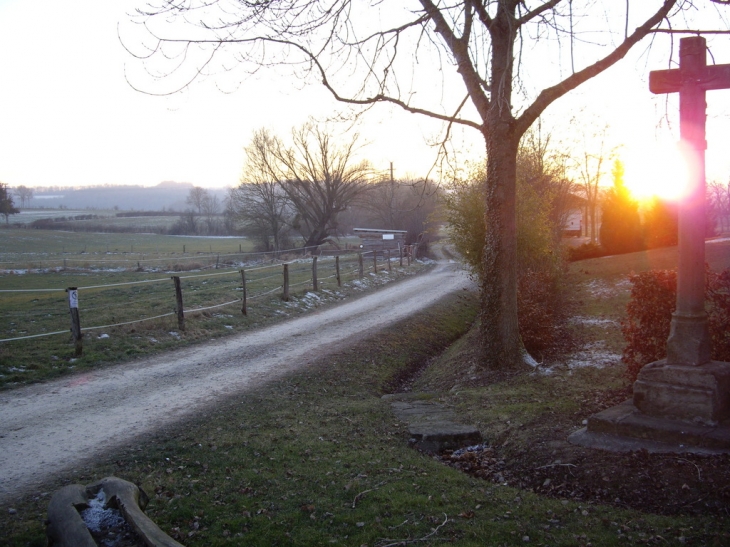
pixel 46 429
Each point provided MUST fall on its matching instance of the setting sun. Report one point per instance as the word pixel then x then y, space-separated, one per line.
pixel 657 171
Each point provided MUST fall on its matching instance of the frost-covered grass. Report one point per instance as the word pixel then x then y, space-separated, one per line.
pixel 40 251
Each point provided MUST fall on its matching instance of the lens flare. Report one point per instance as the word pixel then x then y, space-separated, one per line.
pixel 658 171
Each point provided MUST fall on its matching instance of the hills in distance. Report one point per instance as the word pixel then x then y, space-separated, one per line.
pixel 167 195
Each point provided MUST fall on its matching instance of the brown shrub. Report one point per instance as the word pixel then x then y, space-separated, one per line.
pixel 538 309
pixel 649 314
pixel 585 251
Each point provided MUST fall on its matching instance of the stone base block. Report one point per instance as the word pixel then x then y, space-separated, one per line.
pixel 432 426
pixel 699 394
pixel 438 436
pixel 624 428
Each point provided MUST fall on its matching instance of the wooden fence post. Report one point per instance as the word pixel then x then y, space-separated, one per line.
pixel 389 260
pixel 400 252
pixel 217 259
pixel 408 253
pixel 244 311
pixel 375 261
pixel 179 303
pixel 359 263
pixel 337 271
pixel 286 283
pixel 73 307
pixel 315 286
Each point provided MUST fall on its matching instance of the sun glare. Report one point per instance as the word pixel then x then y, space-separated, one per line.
pixel 657 171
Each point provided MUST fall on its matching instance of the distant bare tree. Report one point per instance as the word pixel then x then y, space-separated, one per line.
pixel 196 198
pixel 592 167
pixel 263 212
pixel 316 174
pixel 259 203
pixel 187 224
pixel 210 209
pixel 7 207
pixel 544 170
pixel 403 205
pixel 24 194
pixel 719 196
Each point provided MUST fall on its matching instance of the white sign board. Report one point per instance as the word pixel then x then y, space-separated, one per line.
pixel 388 236
pixel 73 299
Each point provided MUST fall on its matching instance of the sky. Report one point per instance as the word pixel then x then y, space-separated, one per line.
pixel 69 117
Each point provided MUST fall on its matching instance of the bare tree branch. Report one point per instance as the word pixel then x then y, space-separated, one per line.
pixel 530 15
pixel 549 95
pixel 690 31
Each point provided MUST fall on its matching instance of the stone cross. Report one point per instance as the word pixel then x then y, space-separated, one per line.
pixel 683 400
pixel 689 341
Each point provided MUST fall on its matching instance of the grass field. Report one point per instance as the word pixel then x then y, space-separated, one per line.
pixel 111 304
pixel 50 249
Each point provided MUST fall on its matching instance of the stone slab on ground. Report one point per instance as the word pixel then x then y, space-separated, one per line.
pixel 432 426
pixel 623 428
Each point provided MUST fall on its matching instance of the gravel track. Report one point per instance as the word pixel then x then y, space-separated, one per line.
pixel 47 429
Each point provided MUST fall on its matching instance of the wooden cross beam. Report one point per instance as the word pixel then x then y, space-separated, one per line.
pixel 689 341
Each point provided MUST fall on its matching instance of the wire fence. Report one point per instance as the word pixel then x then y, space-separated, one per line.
pixel 40 312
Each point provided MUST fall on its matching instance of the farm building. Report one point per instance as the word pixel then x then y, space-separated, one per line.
pixel 375 239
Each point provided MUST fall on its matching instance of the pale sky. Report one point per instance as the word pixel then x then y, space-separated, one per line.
pixel 68 116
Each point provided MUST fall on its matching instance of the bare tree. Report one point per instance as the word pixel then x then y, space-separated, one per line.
pixel 187 224
pixel 365 53
pixel 259 203
pixel 318 176
pixel 544 170
pixel 591 167
pixel 7 207
pixel 24 194
pixel 262 211
pixel 209 210
pixel 409 205
pixel 719 196
pixel 196 198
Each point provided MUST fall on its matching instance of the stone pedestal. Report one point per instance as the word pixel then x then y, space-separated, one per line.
pixel 689 337
pixel 699 394
pixel 624 428
pixel 675 408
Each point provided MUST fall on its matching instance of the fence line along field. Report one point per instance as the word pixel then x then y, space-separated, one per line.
pixel 127 304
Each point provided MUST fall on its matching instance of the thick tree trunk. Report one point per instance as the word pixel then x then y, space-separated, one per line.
pixel 502 345
pixel 317 237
